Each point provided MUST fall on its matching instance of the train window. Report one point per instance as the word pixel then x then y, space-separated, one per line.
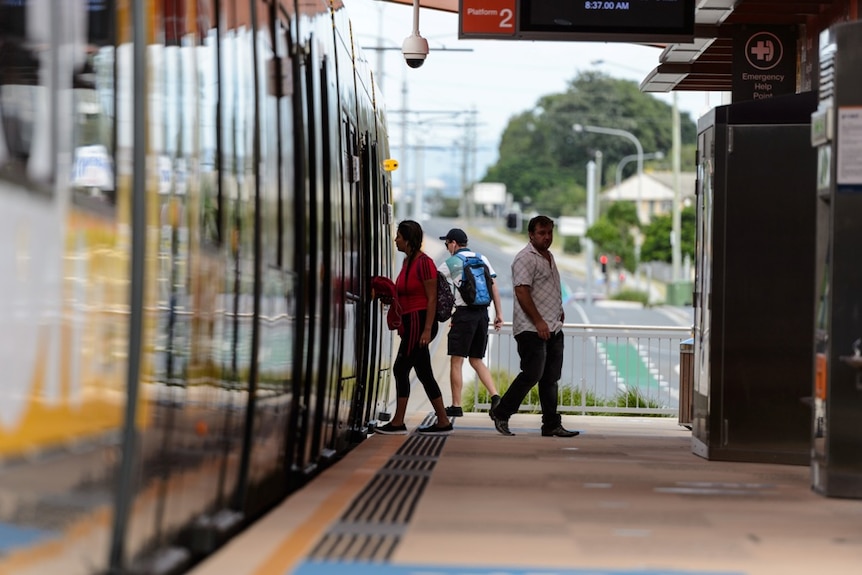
pixel 93 132
pixel 59 52
pixel 100 27
pixel 270 110
pixel 209 79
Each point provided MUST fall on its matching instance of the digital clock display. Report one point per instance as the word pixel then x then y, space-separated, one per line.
pixel 607 20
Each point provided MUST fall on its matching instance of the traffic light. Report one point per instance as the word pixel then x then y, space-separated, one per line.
pixel 604 261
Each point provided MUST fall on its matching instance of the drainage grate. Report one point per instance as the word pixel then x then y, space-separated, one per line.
pixel 371 528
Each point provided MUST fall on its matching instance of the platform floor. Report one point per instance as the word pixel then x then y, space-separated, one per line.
pixel 627 496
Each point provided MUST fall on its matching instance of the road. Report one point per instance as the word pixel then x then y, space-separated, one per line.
pixel 604 362
pixel 500 247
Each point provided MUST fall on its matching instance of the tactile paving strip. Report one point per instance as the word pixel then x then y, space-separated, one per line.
pixel 371 528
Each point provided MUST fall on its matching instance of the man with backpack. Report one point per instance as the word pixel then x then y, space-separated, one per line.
pixel 473 278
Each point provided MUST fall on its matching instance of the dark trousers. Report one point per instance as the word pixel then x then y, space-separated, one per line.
pixel 542 363
pixel 411 355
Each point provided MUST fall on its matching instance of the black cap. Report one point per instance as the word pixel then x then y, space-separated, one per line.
pixel 456 235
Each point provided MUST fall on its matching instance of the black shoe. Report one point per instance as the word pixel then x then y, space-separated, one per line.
pixel 495 401
pixel 559 431
pixel 390 429
pixel 435 429
pixel 454 411
pixel 502 425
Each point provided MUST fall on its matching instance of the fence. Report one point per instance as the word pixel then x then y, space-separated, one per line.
pixel 607 369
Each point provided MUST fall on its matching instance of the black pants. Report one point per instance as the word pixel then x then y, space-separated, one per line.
pixel 411 355
pixel 542 363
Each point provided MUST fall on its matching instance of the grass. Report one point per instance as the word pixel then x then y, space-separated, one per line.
pixel 569 396
pixel 632 295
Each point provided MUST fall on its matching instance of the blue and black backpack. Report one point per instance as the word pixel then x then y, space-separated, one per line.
pixel 476 281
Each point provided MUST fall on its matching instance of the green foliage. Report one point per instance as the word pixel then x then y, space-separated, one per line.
pixel 449 208
pixel 545 188
pixel 543 161
pixel 501 381
pixel 631 295
pixel 657 247
pixel 572 245
pixel 632 397
pixel 623 214
pixel 613 234
pixel 570 396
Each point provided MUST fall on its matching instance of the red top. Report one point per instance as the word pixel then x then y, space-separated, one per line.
pixel 410 282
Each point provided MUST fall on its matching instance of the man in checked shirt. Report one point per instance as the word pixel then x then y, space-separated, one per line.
pixel 537 323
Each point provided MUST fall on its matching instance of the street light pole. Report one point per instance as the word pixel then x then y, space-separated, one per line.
pixel 640 157
pixel 626 159
pixel 591 201
pixel 633 139
pixel 676 247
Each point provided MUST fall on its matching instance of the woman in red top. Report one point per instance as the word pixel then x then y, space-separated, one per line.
pixel 416 287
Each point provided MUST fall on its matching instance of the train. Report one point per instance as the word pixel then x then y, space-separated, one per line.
pixel 195 196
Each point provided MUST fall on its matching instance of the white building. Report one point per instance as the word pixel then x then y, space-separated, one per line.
pixel 653 196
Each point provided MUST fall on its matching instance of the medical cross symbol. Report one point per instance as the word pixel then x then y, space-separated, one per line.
pixel 763 50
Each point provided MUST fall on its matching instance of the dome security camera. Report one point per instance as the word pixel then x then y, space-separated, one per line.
pixel 415 50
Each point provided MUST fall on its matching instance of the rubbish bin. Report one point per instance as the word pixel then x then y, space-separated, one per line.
pixel 686 382
pixel 679 293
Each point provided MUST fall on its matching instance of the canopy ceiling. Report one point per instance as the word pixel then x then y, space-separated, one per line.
pixel 705 64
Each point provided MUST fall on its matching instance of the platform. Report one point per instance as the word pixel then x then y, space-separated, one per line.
pixel 627 496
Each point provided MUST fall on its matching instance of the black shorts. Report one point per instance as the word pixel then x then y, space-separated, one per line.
pixel 468 332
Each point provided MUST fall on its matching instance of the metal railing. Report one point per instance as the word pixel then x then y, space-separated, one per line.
pixel 607 369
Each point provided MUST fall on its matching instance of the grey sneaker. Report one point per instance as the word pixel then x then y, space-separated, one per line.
pixel 502 425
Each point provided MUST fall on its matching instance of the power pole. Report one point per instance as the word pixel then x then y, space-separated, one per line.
pixel 676 246
pixel 402 201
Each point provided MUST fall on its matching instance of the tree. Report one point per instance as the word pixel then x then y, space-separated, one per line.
pixel 657 246
pixel 613 233
pixel 543 159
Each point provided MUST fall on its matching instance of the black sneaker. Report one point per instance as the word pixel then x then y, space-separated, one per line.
pixel 390 429
pixel 435 429
pixel 502 425
pixel 454 411
pixel 559 431
pixel 495 401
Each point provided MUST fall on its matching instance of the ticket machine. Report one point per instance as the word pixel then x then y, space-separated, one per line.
pixel 836 133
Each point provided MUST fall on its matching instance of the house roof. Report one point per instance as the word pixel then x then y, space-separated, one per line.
pixel 656 186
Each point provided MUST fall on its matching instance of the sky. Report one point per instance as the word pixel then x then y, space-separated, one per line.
pixel 498 79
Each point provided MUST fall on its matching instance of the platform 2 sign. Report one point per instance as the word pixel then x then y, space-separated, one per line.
pixel 486 18
pixel 580 20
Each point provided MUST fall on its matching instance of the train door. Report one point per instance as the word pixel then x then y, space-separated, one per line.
pixel 372 190
pixel 270 404
pixel 316 297
pixel 306 256
pixel 350 240
pixel 293 224
pixel 331 312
